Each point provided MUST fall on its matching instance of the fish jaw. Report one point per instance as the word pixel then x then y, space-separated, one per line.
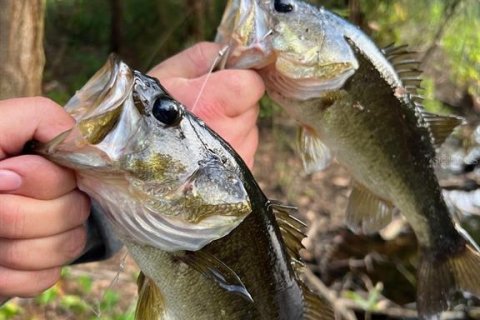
pixel 245 28
pixel 172 186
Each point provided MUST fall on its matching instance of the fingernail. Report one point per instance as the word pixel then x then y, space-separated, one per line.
pixel 9 180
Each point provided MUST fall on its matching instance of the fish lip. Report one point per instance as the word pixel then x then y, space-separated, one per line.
pixel 104 92
pixel 249 46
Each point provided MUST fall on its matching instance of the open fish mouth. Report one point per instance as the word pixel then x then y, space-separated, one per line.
pixel 244 28
pixel 161 176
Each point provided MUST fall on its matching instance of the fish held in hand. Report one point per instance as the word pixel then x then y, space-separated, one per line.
pixel 359 104
pixel 205 237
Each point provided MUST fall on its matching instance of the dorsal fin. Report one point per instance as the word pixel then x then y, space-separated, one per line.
pixel 406 65
pixel 293 232
pixel 440 126
pixel 316 308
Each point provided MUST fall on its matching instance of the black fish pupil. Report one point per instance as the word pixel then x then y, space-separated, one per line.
pixel 166 111
pixel 282 7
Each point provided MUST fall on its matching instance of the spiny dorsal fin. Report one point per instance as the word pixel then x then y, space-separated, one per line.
pixel 315 155
pixel 150 305
pixel 441 126
pixel 366 212
pixel 406 65
pixel 293 232
pixel 316 308
pixel 215 270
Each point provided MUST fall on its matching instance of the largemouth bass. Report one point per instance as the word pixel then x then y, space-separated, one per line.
pixel 359 104
pixel 186 206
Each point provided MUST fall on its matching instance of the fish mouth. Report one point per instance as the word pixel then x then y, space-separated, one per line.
pixel 106 118
pixel 245 27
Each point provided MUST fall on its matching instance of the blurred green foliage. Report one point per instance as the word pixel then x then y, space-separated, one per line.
pixel 450 26
pixel 73 298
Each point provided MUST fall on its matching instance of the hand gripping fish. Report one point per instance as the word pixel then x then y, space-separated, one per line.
pixel 359 104
pixel 208 242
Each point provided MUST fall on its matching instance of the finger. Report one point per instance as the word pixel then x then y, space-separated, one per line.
pixel 42 253
pixel 14 283
pixel 190 63
pixel 227 92
pixel 248 148
pixel 26 218
pixel 24 119
pixel 233 130
pixel 36 171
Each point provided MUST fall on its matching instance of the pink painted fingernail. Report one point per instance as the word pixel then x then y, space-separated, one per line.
pixel 9 180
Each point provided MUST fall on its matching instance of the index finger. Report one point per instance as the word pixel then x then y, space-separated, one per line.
pixel 190 63
pixel 24 119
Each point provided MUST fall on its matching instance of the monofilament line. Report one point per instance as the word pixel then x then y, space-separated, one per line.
pixel 220 56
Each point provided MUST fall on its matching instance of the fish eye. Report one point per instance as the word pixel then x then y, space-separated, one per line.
pixel 282 7
pixel 166 111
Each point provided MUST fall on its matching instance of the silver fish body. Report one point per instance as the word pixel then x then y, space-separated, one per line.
pixel 185 205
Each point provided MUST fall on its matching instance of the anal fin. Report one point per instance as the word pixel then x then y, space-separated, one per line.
pixel 366 212
pixel 150 305
pixel 315 155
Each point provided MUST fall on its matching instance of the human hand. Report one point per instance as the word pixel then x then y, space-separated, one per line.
pixel 229 102
pixel 42 214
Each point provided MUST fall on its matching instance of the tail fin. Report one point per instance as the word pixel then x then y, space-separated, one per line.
pixel 437 280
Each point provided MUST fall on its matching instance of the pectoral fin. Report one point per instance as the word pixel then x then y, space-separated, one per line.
pixel 366 212
pixel 150 305
pixel 217 271
pixel 315 155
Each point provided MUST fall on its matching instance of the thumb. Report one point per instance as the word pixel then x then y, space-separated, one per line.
pixel 24 119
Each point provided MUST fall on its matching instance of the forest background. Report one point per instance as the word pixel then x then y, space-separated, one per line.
pixel 80 34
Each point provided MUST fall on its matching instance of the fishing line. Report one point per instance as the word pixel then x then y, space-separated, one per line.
pixel 121 268
pixel 220 56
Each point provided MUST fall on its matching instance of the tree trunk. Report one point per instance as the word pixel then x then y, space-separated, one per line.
pixel 197 26
pixel 21 47
pixel 115 26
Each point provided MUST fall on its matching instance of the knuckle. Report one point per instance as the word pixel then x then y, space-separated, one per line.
pixel 75 243
pixel 44 102
pixel 12 220
pixel 41 281
pixel 11 254
pixel 5 280
pixel 15 283
pixel 200 54
pixel 83 203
